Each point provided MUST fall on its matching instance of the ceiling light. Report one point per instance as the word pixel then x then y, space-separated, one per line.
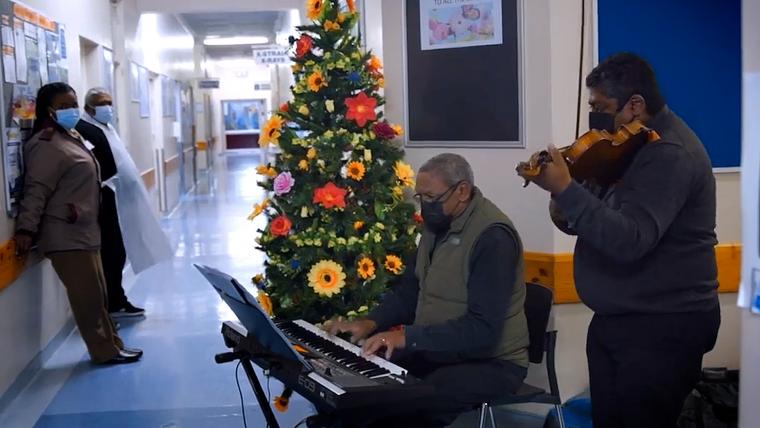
pixel 240 40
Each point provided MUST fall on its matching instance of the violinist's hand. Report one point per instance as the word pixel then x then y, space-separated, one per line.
pixel 555 175
pixel 23 244
pixel 390 340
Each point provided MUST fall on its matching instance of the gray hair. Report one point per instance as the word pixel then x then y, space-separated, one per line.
pixel 89 98
pixel 450 167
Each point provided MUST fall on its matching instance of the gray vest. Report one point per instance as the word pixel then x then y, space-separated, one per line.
pixel 443 283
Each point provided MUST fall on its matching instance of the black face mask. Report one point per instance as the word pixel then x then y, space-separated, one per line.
pixel 433 215
pixel 601 121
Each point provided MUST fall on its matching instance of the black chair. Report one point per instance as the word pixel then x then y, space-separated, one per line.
pixel 538 305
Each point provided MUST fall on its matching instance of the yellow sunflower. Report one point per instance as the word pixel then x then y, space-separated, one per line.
pixel 398 191
pixel 311 153
pixel 393 264
pixel 327 278
pixel 366 268
pixel 267 171
pixel 316 81
pixel 404 173
pixel 272 131
pixel 356 170
pixel 265 302
pixel 314 9
pixel 258 209
pixel 303 165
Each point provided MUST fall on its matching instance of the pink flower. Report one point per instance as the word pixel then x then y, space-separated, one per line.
pixel 283 183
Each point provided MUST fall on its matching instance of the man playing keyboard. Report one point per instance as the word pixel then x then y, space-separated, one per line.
pixel 460 302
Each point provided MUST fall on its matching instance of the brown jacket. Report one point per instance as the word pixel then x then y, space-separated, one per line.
pixel 61 193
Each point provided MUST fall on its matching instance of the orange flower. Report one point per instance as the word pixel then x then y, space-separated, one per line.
pixel 351 5
pixel 280 226
pixel 366 268
pixel 361 109
pixel 316 81
pixel 341 18
pixel 303 165
pixel 399 130
pixel 374 64
pixel 314 9
pixel 356 170
pixel 393 264
pixel 358 225
pixel 272 131
pixel 331 26
pixel 265 302
pixel 330 196
pixel 267 171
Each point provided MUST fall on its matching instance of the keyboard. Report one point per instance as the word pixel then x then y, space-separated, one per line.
pixel 339 378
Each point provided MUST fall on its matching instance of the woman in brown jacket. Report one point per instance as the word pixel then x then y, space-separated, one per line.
pixel 59 209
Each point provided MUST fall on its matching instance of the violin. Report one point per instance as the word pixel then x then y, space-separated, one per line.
pixel 597 155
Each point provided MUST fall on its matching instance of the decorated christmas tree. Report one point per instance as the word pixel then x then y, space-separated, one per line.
pixel 339 224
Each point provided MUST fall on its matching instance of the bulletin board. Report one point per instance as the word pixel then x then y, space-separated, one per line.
pixel 462 65
pixel 695 49
pixel 34 54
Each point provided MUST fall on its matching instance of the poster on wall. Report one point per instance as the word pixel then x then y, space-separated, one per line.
pixel 20 43
pixel 13 166
pixel 54 62
pixel 34 79
pixel 446 24
pixel 42 54
pixel 144 85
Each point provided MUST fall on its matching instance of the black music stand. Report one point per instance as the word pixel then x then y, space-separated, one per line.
pixel 275 347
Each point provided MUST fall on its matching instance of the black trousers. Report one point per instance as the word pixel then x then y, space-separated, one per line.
pixel 458 389
pixel 112 251
pixel 643 366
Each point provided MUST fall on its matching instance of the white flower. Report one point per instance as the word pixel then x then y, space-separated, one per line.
pixel 330 105
pixel 368 155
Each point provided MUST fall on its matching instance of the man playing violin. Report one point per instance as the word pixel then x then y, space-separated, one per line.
pixel 644 258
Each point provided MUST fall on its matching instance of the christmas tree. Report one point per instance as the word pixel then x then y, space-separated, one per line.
pixel 339 224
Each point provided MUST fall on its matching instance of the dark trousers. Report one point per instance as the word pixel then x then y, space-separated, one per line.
pixel 112 251
pixel 458 389
pixel 643 366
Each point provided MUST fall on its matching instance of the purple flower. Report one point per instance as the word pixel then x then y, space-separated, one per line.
pixel 354 77
pixel 283 183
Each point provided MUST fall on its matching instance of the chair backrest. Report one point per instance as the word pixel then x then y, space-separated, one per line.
pixel 538 305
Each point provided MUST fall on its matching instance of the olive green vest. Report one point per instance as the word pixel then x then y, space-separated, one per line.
pixel 443 283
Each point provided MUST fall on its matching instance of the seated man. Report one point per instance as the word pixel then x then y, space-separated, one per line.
pixel 460 303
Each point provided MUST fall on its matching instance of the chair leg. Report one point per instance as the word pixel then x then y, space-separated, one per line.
pixel 560 415
pixel 483 408
pixel 493 420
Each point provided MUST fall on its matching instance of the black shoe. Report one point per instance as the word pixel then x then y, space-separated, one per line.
pixel 134 351
pixel 128 310
pixel 122 357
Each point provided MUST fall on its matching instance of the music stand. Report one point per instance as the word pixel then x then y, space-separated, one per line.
pixel 277 348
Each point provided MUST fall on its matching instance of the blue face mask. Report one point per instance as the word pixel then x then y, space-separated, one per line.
pixel 104 114
pixel 67 117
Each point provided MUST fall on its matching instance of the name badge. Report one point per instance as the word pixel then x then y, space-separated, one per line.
pixel 88 145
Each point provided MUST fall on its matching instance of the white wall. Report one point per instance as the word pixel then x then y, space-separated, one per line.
pixel 35 307
pixel 750 381
pixel 550 38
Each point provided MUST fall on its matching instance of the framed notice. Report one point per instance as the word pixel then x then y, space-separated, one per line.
pixel 446 24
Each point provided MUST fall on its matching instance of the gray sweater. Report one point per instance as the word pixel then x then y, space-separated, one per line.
pixel 646 245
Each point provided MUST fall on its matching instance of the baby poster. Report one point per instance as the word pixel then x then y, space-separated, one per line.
pixel 447 24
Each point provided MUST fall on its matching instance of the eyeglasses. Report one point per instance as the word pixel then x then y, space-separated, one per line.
pixel 428 199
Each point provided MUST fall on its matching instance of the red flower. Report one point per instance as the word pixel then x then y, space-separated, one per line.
pixel 284 107
pixel 304 45
pixel 330 196
pixel 418 218
pixel 384 131
pixel 280 226
pixel 361 109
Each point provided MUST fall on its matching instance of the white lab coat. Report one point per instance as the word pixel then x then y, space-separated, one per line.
pixel 145 241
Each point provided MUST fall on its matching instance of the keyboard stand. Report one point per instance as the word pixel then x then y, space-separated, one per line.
pixel 245 359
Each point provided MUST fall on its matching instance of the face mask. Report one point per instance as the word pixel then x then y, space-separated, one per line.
pixel 104 114
pixel 433 215
pixel 601 121
pixel 67 117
